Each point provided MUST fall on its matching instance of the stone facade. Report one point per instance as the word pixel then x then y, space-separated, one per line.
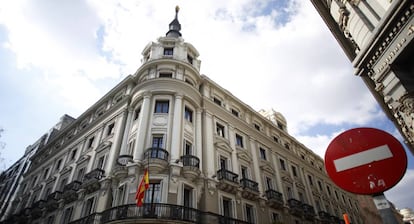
pixel 211 157
pixel 377 36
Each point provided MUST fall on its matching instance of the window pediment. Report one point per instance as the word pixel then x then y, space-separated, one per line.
pixel 223 144
pixel 266 167
pixel 104 145
pixel 244 155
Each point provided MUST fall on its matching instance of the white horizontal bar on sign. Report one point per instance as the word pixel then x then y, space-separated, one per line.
pixel 362 158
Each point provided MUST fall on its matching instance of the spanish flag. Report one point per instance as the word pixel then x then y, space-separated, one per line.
pixel 143 185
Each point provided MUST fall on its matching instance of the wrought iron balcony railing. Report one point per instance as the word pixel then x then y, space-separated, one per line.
pixel 156 153
pixel 190 160
pixel 55 196
pixel 73 186
pixel 224 174
pixel 274 195
pixel 174 213
pixel 95 174
pixel 249 184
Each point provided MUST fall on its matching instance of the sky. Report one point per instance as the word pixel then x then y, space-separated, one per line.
pixel 60 57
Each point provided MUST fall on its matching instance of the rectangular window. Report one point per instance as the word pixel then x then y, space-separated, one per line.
pixel 269 183
pixel 157 141
pixel 227 207
pixel 101 162
pixel 153 193
pixel 67 215
pixel 262 153
pixel 235 112
pixel 301 197
pixel 320 185
pixel 90 142
pixel 310 180
pixel 294 172
pixel 275 217
pixel 328 189
pixel 63 183
pixel 120 195
pixel 190 59
pixel 34 182
pixel 58 164
pixel 131 146
pixel 165 75
pixel 110 129
pixel 89 206
pixel 188 148
pixel 282 164
pixel 257 127
pixel 188 114
pixel 275 139
pixel 136 113
pixel 249 213
pixel 188 197
pixel 223 163
pixel 220 130
pixel 318 206
pixel 46 174
pixel 244 172
pixel 81 173
pixel 217 101
pixel 161 106
pixel 168 51
pixel 239 141
pixel 73 154
pixel 290 193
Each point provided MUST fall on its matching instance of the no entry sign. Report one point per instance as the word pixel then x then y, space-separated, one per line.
pixel 365 161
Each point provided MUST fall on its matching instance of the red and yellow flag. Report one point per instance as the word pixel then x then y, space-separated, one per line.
pixel 143 185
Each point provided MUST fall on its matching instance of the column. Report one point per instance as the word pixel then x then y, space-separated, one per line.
pixel 142 127
pixel 176 128
pixel 208 152
pixel 124 145
pixel 114 152
pixel 256 168
pixel 199 138
pixel 232 141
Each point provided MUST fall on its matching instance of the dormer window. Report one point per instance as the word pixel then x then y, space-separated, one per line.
pixel 190 59
pixel 165 75
pixel 217 101
pixel 168 51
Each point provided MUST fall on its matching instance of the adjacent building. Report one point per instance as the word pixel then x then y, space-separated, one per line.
pixel 377 35
pixel 211 157
pixel 11 178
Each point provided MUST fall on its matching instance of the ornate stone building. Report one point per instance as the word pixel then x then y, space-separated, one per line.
pixel 377 35
pixel 211 157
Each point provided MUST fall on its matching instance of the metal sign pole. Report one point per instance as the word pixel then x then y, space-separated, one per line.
pixel 384 209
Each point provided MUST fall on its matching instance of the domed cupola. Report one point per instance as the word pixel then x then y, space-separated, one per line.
pixel 170 57
pixel 175 25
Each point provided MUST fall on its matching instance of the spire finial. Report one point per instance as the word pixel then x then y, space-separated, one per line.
pixel 175 26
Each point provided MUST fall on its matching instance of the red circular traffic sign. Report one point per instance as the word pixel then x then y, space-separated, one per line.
pixel 365 161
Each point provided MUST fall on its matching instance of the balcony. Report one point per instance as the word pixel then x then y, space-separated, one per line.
pixel 158 159
pixel 36 210
pixel 191 166
pixel 295 207
pixel 91 181
pixel 52 200
pixel 250 189
pixel 274 199
pixel 324 217
pixel 156 213
pixel 308 212
pixel 70 191
pixel 227 181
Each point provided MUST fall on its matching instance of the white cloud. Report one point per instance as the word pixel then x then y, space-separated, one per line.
pixel 294 65
pixel 402 194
